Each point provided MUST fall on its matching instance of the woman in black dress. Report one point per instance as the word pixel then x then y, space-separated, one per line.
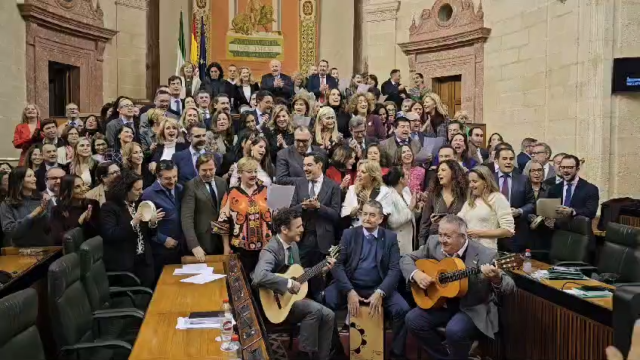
pixel 73 210
pixel 126 237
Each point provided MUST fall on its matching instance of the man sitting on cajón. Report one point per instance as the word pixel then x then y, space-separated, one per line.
pixel 317 323
pixel 464 318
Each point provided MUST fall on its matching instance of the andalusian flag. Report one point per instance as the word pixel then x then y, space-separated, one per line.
pixel 181 47
pixel 194 44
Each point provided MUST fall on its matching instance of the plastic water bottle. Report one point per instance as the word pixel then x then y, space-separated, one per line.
pixel 232 350
pixel 226 328
pixel 526 267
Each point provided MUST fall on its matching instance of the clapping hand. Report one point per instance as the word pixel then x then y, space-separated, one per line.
pixel 345 182
pixel 85 215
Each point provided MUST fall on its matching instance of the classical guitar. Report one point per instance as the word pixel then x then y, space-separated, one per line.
pixel 277 306
pixel 451 278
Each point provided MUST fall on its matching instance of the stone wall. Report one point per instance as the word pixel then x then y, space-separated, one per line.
pixel 169 29
pixel 336 35
pixel 13 93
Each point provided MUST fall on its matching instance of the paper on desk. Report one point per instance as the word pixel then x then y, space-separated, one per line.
pixel 203 278
pixel 193 269
pixel 589 294
pixel 279 196
pixel 206 323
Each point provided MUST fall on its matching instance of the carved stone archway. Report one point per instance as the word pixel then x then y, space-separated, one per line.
pixel 69 32
pixel 449 40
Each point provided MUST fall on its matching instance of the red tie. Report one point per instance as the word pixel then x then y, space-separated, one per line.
pixel 505 186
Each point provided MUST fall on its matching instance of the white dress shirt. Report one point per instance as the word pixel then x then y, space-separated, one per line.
pixel 317 185
pixel 287 249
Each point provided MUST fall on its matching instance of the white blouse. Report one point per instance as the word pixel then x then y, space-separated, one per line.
pixel 351 202
pixel 492 216
pixel 262 176
pixel 167 151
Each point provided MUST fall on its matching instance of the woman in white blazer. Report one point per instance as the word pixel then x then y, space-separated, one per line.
pixel 402 219
pixel 190 81
pixel 368 186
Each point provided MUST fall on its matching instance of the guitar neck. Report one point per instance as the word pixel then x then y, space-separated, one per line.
pixel 314 271
pixel 457 275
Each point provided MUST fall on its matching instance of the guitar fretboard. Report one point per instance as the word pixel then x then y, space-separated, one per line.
pixel 314 271
pixel 457 275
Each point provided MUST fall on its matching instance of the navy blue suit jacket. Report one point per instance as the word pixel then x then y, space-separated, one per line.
pixel 186 168
pixel 521 197
pixel 313 84
pixel 584 199
pixel 388 259
pixel 170 225
pixel 286 91
pixel 522 160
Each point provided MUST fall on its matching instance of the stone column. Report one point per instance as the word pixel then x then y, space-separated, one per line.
pixel 380 36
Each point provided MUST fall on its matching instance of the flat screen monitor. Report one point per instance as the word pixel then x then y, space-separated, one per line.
pixel 626 75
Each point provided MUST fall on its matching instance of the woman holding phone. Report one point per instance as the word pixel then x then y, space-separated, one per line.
pixel 447 194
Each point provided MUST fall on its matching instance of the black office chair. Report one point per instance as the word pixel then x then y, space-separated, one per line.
pixel 570 242
pixel 19 337
pixel 619 256
pixel 95 279
pixel 72 240
pixel 79 330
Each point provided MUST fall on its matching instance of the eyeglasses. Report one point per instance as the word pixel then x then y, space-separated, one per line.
pixel 54 178
pixel 536 170
pixel 128 106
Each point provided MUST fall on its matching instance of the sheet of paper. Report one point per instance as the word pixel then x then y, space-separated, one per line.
pixel 203 278
pixel 192 271
pixel 363 88
pixel 547 208
pixel 185 323
pixel 382 98
pixel 279 196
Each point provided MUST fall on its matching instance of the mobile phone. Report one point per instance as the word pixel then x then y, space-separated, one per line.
pixel 594 288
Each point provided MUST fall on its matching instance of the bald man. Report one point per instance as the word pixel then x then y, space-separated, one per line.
pixel 277 83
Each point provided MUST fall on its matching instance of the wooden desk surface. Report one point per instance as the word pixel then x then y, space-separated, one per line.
pixel 18 265
pixel 569 284
pixel 158 337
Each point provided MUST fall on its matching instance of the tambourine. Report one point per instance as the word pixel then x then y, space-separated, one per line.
pixel 147 210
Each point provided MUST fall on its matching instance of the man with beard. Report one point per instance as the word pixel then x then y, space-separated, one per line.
pixel 264 105
pixel 200 204
pixel 186 160
pixel 318 198
pixel 289 164
pixel 579 197
pixel 50 161
pixel 317 323
pixel 402 137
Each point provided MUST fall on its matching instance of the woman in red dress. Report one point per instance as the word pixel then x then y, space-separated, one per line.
pixel 28 131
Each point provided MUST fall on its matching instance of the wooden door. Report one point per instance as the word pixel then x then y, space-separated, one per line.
pixel 450 91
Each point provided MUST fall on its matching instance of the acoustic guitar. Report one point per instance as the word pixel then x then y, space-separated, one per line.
pixel 450 277
pixel 277 307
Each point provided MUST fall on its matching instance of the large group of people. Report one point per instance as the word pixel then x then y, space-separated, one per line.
pixel 391 182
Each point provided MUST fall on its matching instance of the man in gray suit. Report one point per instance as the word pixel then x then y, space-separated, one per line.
pixel 289 160
pixel 464 318
pixel 402 137
pixel 200 205
pixel 318 198
pixel 317 323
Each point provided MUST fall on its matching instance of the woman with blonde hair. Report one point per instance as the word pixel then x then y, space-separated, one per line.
pixel 168 142
pixel 299 82
pixel 436 116
pixel 148 136
pixel 326 133
pixel 220 137
pixel 368 186
pixel 487 212
pixel 243 89
pixel 190 116
pixel 28 131
pixel 364 105
pixel 190 79
pixel 256 148
pixel 279 130
pixel 133 159
pixel 83 163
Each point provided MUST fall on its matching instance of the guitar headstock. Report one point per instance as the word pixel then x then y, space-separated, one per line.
pixel 334 251
pixel 509 262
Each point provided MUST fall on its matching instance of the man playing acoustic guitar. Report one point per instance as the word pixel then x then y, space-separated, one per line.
pixel 466 317
pixel 317 323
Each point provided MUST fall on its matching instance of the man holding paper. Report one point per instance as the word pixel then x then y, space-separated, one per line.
pixel 318 198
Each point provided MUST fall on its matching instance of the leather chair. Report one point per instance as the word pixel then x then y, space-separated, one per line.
pixel 620 254
pixel 571 241
pixel 19 337
pixel 95 279
pixel 79 330
pixel 72 240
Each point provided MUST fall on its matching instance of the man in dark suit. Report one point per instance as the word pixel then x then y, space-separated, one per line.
pixel 289 164
pixel 185 160
pixel 579 197
pixel 318 199
pixel 176 105
pixel 200 205
pixel 264 105
pixel 166 194
pixel 317 322
pixel 277 83
pixel 53 177
pixel 368 270
pixel 525 153
pixel 321 83
pixel 393 89
pixel 466 317
pixel 517 189
pixel 49 161
pixel 476 137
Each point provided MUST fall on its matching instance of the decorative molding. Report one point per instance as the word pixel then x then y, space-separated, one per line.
pixel 381 11
pixel 451 45
pixel 135 4
pixel 308 13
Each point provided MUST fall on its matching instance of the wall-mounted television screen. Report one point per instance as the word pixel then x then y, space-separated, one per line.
pixel 626 75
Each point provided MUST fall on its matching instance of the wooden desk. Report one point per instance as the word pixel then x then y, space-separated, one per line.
pixel 158 337
pixel 540 321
